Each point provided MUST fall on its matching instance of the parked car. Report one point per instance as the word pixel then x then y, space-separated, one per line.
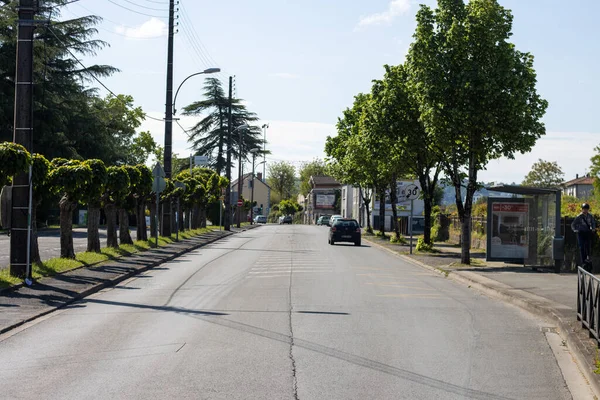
pixel 333 218
pixel 285 220
pixel 345 230
pixel 323 220
pixel 260 219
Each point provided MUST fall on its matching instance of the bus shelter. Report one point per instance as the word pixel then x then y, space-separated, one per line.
pixel 525 228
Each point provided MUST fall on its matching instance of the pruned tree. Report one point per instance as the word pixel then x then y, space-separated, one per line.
pixel 115 193
pixel 14 158
pixel 143 196
pixel 40 177
pixel 128 204
pixel 68 177
pixel 92 197
pixel 282 179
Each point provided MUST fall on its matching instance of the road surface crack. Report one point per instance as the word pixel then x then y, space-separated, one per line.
pixel 290 312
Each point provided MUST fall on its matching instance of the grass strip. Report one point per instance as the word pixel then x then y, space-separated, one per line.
pixel 58 265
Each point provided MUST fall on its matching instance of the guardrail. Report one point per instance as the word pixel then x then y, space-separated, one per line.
pixel 588 301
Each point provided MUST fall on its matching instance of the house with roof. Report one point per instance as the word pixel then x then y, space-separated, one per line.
pixel 262 193
pixel 321 199
pixel 579 187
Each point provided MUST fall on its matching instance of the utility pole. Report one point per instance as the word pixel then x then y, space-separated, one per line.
pixel 240 176
pixel 23 134
pixel 227 224
pixel 166 212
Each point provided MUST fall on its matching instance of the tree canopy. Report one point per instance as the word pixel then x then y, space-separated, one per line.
pixel 544 174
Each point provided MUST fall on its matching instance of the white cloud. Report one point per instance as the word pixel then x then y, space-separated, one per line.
pixel 395 9
pixel 152 28
pixel 285 75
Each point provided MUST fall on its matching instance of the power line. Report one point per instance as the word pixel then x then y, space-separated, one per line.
pixel 91 74
pixel 145 7
pixel 136 12
pixel 185 16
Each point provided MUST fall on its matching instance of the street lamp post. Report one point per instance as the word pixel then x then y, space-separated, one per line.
pixel 264 175
pixel 253 151
pixel 170 111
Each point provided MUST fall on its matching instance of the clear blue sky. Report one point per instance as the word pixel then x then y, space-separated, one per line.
pixel 298 64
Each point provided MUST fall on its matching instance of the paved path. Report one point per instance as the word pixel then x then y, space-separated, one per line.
pixel 276 313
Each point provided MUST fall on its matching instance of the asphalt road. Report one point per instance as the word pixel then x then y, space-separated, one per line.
pixel 276 313
pixel 49 243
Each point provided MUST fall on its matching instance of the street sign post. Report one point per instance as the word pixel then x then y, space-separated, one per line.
pixel 411 192
pixel 240 203
pixel 177 216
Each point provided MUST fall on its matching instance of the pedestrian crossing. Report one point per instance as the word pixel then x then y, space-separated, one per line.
pixel 270 266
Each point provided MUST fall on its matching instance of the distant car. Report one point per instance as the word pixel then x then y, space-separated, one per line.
pixel 345 230
pixel 285 220
pixel 260 219
pixel 323 220
pixel 333 218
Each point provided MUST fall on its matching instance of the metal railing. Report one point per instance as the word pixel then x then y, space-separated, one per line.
pixel 588 301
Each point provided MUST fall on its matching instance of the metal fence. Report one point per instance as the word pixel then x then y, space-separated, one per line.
pixel 588 301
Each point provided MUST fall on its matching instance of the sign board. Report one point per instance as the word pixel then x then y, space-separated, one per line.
pixel 324 200
pixel 240 203
pixel 158 171
pixel 410 192
pixel 201 160
pixel 508 232
pixel 159 184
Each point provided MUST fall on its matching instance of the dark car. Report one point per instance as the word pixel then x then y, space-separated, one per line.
pixel 286 220
pixel 345 230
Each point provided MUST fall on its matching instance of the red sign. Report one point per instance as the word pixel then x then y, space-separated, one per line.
pixel 240 203
pixel 510 207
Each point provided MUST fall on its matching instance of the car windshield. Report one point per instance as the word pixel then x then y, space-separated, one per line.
pixel 346 223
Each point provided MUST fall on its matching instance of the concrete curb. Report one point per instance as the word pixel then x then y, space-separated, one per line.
pixel 120 278
pixel 539 306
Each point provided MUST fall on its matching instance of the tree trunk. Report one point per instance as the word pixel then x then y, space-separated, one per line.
pixel 394 200
pixel 111 225
pixel 142 233
pixel 196 217
pixel 367 200
pixel 124 235
pixel 93 236
pixel 180 216
pixel 153 227
pixel 66 227
pixel 465 237
pixel 188 216
pixel 203 217
pixel 382 212
pixel 428 201
pixel 35 248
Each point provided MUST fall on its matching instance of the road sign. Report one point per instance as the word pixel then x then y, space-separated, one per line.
pixel 240 203
pixel 159 184
pixel 200 160
pixel 411 192
pixel 158 170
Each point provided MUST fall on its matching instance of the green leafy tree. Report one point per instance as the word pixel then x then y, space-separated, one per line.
pixel 209 136
pixel 544 174
pixel 282 179
pixel 288 207
pixel 68 177
pixel 115 193
pixel 316 167
pixel 14 158
pixel 92 197
pixel 143 146
pixel 476 92
pixel 62 101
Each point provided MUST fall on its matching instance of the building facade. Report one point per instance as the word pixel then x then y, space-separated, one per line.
pixel 321 200
pixel 579 187
pixel 262 193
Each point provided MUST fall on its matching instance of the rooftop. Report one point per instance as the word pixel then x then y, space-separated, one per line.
pixel 584 180
pixel 323 181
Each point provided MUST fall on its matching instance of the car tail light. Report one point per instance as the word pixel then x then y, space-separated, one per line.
pixel 333 228
pixel 357 230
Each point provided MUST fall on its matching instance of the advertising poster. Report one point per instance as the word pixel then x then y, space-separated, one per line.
pixel 325 200
pixel 508 234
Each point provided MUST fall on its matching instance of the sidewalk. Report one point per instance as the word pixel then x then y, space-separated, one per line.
pixel 21 305
pixel 544 293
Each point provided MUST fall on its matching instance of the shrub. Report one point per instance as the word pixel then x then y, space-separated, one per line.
pixel 423 247
pixel 399 240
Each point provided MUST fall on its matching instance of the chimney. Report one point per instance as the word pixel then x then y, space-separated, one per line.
pixel 576 176
pixel 259 176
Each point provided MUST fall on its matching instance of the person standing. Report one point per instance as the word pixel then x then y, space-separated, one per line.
pixel 584 225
